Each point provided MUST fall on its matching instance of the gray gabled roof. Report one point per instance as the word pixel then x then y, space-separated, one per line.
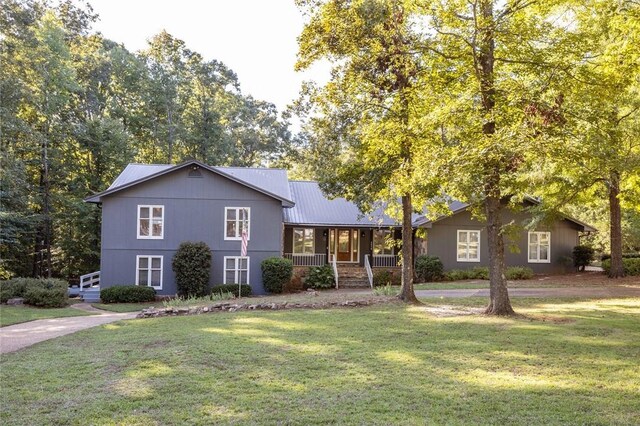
pixel 313 208
pixel 457 206
pixel 271 182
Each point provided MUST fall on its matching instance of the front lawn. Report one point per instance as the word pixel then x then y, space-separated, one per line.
pixel 16 314
pixel 568 362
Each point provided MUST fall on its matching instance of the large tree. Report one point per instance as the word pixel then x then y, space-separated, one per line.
pixel 364 123
pixel 498 63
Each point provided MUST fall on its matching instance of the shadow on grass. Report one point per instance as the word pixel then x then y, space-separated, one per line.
pixel 385 364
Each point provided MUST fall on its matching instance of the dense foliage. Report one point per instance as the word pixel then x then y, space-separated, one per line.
pixel 583 256
pixel 243 290
pixel 631 266
pixel 428 268
pixel 276 273
pixel 45 293
pixel 320 277
pixel 127 294
pixel 192 267
pixel 77 107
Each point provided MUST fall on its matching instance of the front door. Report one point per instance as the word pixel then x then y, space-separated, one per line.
pixel 344 245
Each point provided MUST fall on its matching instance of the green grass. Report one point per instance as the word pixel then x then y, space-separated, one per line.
pixel 16 314
pixel 126 307
pixel 569 362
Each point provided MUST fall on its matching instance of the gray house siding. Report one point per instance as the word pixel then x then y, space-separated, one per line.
pixel 194 209
pixel 442 242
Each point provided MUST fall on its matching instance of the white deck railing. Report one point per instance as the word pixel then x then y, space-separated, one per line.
pixel 318 259
pixel 384 261
pixel 89 280
pixel 367 267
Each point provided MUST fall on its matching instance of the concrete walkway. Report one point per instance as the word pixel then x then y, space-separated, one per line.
pixel 18 336
pixel 617 291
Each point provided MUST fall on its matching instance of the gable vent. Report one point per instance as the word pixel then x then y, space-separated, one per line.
pixel 195 172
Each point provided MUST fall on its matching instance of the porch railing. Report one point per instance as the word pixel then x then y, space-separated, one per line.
pixel 334 264
pixel 89 280
pixel 367 267
pixel 307 259
pixel 384 261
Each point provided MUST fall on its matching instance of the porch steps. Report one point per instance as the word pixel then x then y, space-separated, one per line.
pixel 352 277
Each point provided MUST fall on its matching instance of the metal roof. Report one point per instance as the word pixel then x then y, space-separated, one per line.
pixel 314 208
pixel 272 182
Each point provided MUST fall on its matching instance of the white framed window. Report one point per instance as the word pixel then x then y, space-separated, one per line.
pixel 303 241
pixel 468 247
pixel 539 247
pixel 151 222
pixel 381 242
pixel 149 271
pixel 236 270
pixel 235 220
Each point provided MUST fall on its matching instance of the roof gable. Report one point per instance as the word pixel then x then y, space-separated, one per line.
pixel 271 182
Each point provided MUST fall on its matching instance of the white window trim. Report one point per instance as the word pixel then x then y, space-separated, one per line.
pixel 150 237
pixel 313 241
pixel 458 242
pixel 529 260
pixel 236 270
pixel 239 237
pixel 149 257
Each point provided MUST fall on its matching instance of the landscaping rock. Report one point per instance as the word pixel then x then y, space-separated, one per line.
pixel 16 301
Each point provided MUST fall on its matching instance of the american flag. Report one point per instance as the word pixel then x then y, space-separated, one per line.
pixel 243 249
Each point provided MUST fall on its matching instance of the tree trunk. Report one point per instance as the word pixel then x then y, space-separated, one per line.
pixel 406 291
pixel 499 303
pixel 615 226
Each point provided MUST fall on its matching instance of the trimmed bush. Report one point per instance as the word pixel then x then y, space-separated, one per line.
pixel 582 256
pixel 192 266
pixel 245 289
pixel 386 277
pixel 631 266
pixel 320 277
pixel 518 273
pixel 276 273
pixel 127 294
pixel 428 268
pixel 475 273
pixel 43 292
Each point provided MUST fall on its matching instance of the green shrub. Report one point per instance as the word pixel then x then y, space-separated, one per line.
pixel 582 256
pixel 386 277
pixel 518 273
pixel 127 294
pixel 276 273
pixel 428 268
pixel 631 266
pixel 320 277
pixel 13 288
pixel 475 273
pixel 245 289
pixel 46 293
pixel 49 293
pixel 192 266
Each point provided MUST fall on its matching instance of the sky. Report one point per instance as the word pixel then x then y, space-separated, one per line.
pixel 256 39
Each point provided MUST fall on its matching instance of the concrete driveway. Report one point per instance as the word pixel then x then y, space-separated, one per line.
pixel 18 336
pixel 618 291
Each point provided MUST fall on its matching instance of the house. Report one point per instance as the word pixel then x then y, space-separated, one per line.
pixel 150 209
